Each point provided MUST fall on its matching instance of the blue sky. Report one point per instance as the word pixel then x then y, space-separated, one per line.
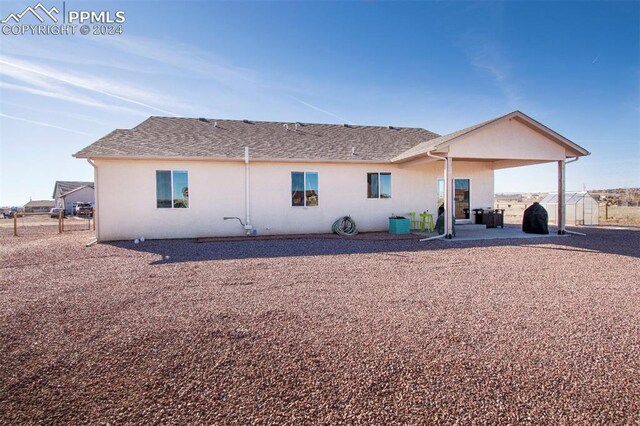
pixel 439 65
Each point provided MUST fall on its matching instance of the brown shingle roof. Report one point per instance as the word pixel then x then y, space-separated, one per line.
pixel 226 139
pixel 40 203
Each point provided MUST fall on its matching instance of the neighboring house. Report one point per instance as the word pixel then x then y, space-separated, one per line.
pixel 179 177
pixel 66 193
pixel 39 206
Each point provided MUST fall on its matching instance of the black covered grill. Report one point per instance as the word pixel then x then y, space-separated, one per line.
pixel 535 220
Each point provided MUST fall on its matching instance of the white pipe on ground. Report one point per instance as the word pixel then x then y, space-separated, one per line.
pixel 437 237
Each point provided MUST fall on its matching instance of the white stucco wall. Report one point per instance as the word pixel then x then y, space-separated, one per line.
pixel 509 139
pixel 481 179
pixel 85 195
pixel 127 197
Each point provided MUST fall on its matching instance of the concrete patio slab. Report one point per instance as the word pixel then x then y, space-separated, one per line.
pixel 472 233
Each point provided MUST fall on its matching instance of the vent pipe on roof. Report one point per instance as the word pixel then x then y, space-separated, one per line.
pixel 297 125
pixel 215 124
pixel 353 150
pixel 286 126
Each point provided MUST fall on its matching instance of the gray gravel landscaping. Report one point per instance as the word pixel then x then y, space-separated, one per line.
pixel 320 330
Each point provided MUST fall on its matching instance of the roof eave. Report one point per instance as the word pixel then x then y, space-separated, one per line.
pixel 228 159
pixel 423 154
pixel 76 189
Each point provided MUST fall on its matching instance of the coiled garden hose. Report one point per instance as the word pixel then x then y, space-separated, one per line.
pixel 345 226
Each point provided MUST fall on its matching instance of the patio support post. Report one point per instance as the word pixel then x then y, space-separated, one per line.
pixel 562 211
pixel 448 197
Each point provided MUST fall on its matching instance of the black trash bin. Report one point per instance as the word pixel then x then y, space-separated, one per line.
pixel 477 215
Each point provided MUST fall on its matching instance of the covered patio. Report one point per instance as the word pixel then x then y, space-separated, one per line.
pixel 513 140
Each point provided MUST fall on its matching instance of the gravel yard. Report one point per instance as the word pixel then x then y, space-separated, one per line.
pixel 320 330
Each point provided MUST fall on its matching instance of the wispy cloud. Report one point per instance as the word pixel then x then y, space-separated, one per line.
pixel 34 73
pixel 40 123
pixel 183 57
pixel 75 98
pixel 116 79
pixel 57 112
pixel 206 66
pixel 488 56
pixel 324 111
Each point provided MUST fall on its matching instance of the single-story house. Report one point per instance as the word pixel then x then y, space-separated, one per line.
pixel 67 193
pixel 39 206
pixel 180 177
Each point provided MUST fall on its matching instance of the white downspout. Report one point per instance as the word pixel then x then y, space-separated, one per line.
pixel 247 223
pixel 447 216
pixel 95 192
pixel 448 196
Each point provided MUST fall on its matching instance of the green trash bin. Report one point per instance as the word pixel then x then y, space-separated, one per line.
pixel 399 225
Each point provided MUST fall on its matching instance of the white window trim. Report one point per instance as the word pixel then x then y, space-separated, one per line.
pixel 304 189
pixel 438 202
pixel 379 197
pixel 171 175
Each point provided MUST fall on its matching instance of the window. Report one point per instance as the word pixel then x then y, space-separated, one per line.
pixel 378 185
pixel 304 189
pixel 172 189
pixel 462 189
pixel 440 201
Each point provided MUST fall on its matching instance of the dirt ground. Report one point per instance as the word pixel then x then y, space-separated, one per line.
pixel 320 330
pixel 620 215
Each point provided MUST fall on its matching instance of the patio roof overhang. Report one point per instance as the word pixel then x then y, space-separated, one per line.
pixel 513 140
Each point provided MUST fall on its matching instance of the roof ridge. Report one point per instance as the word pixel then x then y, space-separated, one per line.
pixel 348 125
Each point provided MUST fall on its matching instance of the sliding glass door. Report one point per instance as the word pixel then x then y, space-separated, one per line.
pixel 461 197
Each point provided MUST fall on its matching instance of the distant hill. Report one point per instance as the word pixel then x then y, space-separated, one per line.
pixel 617 196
